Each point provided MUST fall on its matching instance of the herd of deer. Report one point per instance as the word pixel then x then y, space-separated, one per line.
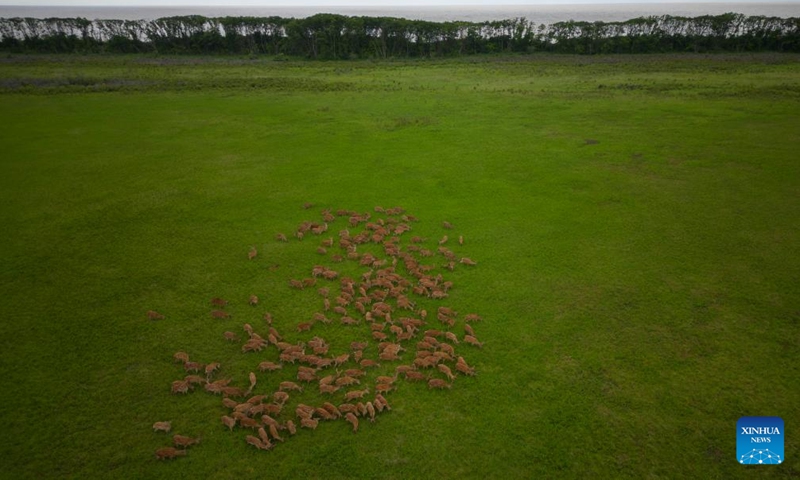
pixel 385 297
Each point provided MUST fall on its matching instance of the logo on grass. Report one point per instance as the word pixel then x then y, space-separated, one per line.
pixel 759 441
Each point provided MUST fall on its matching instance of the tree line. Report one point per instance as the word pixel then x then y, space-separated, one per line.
pixel 331 36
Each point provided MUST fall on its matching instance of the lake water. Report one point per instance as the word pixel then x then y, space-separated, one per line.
pixel 546 14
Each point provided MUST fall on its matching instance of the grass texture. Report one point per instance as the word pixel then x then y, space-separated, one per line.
pixel 634 219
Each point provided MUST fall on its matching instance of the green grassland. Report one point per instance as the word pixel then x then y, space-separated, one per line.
pixel 636 223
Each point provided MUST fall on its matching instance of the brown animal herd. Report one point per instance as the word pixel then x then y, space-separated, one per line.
pixel 382 308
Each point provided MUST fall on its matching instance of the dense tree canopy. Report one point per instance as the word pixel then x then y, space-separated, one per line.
pixel 329 36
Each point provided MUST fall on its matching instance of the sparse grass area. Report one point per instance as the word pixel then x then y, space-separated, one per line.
pixel 635 220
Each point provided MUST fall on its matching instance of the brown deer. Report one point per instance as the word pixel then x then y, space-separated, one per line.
pixel 183 441
pixel 153 315
pixel 231 337
pixel 180 386
pixel 162 427
pixel 212 388
pixel 273 431
pixel 438 383
pixel 384 388
pixel 253 300
pixel 284 386
pixel 181 357
pixel 366 363
pixel 194 379
pixel 353 421
pixel 257 442
pixel 291 427
pixel 342 359
pixel 328 389
pixel 262 434
pixel 346 381
pixel 228 422
pixel 462 367
pixel 233 391
pixel 380 399
pixel 414 376
pixel 280 397
pixel 218 302
pixel 352 395
pixel 309 423
pixel 304 326
pixel 220 314
pixel 169 453
pixel 451 336
pixel 331 408
pixel 248 422
pixel 446 370
pixel 468 261
pixel 269 366
pixel 252 253
pixel 472 341
pixel 281 238
pixel 211 368
pixel 303 411
pixel 370 411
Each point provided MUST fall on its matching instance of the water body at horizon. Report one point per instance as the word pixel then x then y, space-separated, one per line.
pixel 540 14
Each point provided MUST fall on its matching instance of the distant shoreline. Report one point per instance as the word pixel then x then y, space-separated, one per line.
pixel 545 14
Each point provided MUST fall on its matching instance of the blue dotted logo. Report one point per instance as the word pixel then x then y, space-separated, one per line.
pixel 759 441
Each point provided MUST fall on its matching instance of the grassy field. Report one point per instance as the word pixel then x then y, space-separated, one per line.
pixel 636 223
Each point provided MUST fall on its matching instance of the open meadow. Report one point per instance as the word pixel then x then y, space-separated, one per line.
pixel 635 222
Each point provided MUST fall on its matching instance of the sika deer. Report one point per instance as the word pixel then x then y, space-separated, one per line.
pixel 329 389
pixel 252 253
pixel 331 408
pixel 269 366
pixel 256 442
pixel 438 383
pixel 280 397
pixel 211 368
pixel 194 379
pixel 181 357
pixel 153 315
pixel 169 452
pixel 228 422
pixel 370 411
pixel 180 386
pixel 309 423
pixel 379 398
pixel 183 441
pixel 472 341
pixel 289 386
pixel 273 431
pixel 353 421
pixel 446 370
pixel 291 427
pixel 352 395
pixel 346 381
pixel 162 427
pixel 231 337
